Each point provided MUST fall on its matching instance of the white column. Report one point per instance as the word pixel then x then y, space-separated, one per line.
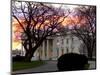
pixel 69 45
pixel 60 51
pixel 43 50
pixel 64 46
pixel 47 49
pixel 54 54
pixel 22 51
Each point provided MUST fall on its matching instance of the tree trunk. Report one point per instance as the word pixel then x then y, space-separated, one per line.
pixel 90 52
pixel 30 53
pixel 28 56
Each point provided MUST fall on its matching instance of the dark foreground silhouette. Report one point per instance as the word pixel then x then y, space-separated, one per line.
pixel 18 58
pixel 72 61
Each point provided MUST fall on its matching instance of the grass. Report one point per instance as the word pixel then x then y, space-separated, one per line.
pixel 26 65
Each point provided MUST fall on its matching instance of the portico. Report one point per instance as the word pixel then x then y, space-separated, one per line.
pixel 53 47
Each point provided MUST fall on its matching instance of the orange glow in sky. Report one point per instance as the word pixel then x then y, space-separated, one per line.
pixel 16 29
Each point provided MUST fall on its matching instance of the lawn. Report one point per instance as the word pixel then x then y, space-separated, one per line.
pixel 26 65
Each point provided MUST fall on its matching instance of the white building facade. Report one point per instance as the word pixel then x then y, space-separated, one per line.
pixel 53 47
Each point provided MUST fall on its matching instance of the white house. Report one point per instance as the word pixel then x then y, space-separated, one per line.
pixel 55 46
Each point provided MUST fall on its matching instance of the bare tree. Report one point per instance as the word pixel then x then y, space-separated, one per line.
pixel 85 27
pixel 38 21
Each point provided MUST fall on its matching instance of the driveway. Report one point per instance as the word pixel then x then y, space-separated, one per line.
pixel 50 66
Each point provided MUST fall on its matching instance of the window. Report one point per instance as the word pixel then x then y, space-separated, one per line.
pixel 66 50
pixel 62 51
pixel 57 40
pixel 67 40
pixel 62 41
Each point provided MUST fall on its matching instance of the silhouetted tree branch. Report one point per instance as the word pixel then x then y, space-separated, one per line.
pixel 40 21
pixel 86 31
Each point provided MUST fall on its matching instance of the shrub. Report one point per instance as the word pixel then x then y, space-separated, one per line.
pixel 18 58
pixel 72 61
